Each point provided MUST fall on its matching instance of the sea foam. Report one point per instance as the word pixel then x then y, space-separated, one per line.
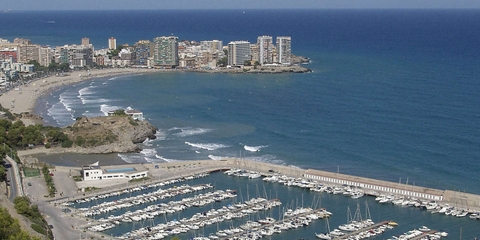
pixel 166 159
pixel 254 148
pixel 188 131
pixel 207 146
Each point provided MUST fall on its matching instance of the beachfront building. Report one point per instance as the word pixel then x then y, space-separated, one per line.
pixel 166 51
pixel 23 51
pixel 238 53
pixel 254 52
pixel 28 52
pixel 46 56
pixel 78 56
pixel 112 43
pixel 143 50
pixel 284 50
pixel 265 49
pixel 8 54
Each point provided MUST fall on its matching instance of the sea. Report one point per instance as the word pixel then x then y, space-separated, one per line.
pixel 393 94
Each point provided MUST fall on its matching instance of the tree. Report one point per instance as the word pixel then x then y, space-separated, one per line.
pixel 22 205
pixel 37 66
pixel 64 67
pixel 3 174
pixel 53 66
pixel 5 124
pixel 247 63
pixel 10 228
pixel 119 112
pixel 8 225
pixel 15 137
pixel 223 62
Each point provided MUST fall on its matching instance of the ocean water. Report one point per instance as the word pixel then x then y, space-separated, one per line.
pixel 393 94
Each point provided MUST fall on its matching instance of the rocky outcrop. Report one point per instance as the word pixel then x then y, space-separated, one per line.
pixel 112 134
pixel 300 60
pixel 258 70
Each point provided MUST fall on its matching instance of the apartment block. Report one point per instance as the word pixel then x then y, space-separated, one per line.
pixel 284 50
pixel 265 47
pixel 238 53
pixel 166 51
pixel 112 43
pixel 143 50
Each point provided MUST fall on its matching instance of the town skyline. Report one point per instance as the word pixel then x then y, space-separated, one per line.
pixel 162 52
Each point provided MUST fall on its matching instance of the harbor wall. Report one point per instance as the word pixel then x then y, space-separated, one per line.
pixel 462 199
pixel 370 186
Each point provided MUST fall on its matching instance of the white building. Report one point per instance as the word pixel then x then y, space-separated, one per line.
pixel 284 50
pixel 135 114
pixel 265 49
pixel 94 172
pixel 238 53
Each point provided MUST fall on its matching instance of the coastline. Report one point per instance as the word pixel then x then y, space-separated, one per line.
pixel 23 98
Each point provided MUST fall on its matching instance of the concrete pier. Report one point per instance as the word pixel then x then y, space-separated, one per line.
pixel 165 171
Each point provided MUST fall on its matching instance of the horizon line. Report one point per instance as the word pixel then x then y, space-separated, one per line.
pixel 234 9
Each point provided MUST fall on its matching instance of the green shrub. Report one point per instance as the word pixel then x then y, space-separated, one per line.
pixel 67 143
pixel 79 141
pixel 132 122
pixel 38 228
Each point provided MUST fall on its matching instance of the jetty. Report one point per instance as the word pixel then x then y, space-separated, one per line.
pixel 370 186
pixel 147 192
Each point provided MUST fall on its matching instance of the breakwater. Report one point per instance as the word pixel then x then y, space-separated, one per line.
pixel 371 186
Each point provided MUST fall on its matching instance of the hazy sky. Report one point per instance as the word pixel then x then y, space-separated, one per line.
pixel 229 4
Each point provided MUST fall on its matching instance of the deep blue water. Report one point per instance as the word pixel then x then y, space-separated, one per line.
pixel 393 94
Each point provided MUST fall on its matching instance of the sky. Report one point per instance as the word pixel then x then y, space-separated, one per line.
pixel 236 4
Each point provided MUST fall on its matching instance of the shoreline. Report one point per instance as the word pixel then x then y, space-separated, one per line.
pixel 23 99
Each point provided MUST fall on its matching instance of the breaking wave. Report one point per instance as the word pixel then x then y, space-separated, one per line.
pixel 217 158
pixel 207 146
pixel 254 148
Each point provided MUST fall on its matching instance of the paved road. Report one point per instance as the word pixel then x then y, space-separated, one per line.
pixel 15 179
pixel 12 193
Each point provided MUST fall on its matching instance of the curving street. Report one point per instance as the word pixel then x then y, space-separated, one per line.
pixel 14 178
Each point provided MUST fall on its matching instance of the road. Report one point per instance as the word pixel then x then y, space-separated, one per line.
pixel 12 193
pixel 15 179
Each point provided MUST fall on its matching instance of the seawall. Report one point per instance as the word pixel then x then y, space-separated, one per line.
pixel 370 186
pixel 375 187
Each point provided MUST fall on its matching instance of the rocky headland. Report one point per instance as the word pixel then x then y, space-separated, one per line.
pixel 112 134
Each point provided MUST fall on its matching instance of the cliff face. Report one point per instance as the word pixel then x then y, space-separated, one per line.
pixel 113 134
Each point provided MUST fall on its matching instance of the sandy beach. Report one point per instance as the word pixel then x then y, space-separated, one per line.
pixel 22 99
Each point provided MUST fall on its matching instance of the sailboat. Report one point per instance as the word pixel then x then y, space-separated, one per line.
pixel 325 236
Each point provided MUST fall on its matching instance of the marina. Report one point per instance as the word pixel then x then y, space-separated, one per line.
pixel 203 206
